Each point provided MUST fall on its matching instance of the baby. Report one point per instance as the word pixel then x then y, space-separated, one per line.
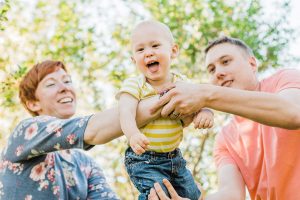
pixel 153 153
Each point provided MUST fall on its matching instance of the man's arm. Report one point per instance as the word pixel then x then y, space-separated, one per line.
pixel 231 184
pixel 105 126
pixel 280 109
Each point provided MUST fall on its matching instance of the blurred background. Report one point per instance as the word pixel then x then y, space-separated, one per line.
pixel 92 38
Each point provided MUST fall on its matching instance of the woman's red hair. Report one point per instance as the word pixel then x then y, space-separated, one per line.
pixel 34 76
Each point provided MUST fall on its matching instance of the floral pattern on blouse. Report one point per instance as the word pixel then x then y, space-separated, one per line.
pixel 43 160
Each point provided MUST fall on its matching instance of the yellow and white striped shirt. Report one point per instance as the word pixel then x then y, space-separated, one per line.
pixel 164 134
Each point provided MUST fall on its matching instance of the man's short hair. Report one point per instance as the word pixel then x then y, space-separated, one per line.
pixel 230 40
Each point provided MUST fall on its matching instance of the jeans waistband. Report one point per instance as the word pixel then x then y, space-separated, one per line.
pixel 170 154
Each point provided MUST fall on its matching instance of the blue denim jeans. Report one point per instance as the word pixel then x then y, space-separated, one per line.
pixel 146 169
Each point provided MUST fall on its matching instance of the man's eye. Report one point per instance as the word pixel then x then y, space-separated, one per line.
pixel 225 62
pixel 156 45
pixel 211 70
pixel 140 50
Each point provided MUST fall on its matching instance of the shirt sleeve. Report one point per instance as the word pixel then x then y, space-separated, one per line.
pixel 43 134
pixel 98 188
pixel 221 154
pixel 130 86
pixel 287 78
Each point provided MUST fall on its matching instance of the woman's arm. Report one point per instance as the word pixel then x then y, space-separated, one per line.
pixel 105 126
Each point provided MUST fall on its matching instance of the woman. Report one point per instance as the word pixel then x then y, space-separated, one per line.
pixel 42 159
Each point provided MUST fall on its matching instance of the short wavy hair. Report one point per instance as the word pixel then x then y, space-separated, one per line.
pixel 33 77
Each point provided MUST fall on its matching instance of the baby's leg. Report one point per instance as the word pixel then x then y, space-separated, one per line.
pixel 183 181
pixel 146 169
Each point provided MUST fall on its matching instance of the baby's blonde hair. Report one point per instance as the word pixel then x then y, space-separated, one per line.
pixel 158 24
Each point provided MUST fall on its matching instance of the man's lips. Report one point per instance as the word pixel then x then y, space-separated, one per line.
pixel 227 83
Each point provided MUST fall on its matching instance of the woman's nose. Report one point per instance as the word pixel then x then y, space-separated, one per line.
pixel 63 86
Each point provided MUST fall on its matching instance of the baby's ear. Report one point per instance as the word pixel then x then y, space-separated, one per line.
pixel 133 60
pixel 175 51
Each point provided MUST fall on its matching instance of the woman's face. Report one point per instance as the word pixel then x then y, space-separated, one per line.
pixel 55 96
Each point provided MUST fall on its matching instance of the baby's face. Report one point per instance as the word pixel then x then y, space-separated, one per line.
pixel 152 52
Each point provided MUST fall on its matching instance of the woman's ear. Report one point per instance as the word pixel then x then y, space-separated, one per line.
pixel 34 106
pixel 175 51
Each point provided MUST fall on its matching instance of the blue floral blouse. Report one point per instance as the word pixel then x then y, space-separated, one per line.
pixel 43 160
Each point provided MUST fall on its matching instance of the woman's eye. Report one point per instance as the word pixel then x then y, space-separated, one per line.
pixel 68 81
pixel 50 84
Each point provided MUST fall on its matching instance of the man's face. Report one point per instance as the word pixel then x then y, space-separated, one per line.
pixel 230 66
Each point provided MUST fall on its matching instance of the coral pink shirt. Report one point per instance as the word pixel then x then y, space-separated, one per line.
pixel 268 157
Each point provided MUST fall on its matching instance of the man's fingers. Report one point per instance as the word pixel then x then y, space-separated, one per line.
pixel 201 190
pixel 161 102
pixel 152 195
pixel 170 188
pixel 168 108
pixel 160 192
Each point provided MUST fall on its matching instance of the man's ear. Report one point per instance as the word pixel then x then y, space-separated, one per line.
pixel 34 106
pixel 175 51
pixel 253 63
pixel 133 60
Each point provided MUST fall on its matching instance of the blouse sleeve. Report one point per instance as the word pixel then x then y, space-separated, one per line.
pixel 98 188
pixel 43 134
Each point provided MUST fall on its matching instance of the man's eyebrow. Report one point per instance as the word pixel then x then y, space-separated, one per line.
pixel 220 58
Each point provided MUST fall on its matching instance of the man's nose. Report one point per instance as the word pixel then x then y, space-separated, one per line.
pixel 218 76
pixel 220 73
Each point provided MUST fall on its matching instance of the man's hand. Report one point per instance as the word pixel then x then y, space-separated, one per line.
pixel 185 99
pixel 139 143
pixel 157 193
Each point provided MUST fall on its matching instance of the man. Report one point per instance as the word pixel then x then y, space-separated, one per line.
pixel 260 147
